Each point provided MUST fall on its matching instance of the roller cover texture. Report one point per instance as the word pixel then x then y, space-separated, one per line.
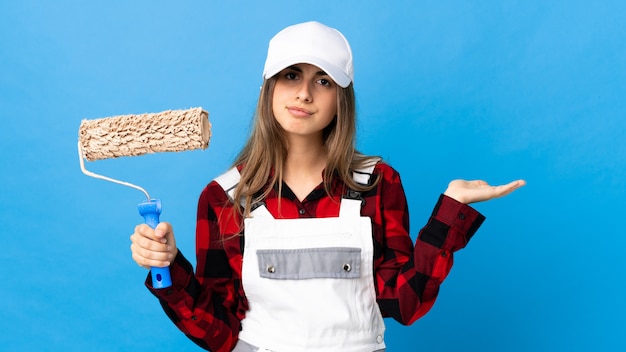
pixel 131 135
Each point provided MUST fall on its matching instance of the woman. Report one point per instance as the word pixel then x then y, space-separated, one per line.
pixel 304 244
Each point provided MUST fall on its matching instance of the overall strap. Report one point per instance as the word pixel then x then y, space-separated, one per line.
pixel 364 174
pixel 229 181
pixel 351 202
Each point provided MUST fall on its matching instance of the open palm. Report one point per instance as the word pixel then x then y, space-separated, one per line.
pixel 478 191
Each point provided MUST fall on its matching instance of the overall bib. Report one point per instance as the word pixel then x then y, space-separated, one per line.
pixel 309 282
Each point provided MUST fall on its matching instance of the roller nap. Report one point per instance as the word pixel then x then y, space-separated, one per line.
pixel 132 135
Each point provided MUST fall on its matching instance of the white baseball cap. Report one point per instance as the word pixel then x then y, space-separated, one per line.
pixel 311 43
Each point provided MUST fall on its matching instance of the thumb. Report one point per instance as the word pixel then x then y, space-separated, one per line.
pixel 161 231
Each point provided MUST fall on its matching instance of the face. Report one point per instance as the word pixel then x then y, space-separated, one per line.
pixel 304 101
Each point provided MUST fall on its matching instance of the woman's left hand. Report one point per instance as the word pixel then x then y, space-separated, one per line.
pixel 478 191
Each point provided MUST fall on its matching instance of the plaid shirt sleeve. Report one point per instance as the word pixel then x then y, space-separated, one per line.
pixel 209 305
pixel 408 276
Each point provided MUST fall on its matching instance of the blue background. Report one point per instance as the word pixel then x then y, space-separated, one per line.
pixel 496 90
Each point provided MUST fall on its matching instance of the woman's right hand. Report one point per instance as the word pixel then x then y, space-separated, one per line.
pixel 153 248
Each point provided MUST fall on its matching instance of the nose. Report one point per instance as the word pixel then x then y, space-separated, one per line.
pixel 304 92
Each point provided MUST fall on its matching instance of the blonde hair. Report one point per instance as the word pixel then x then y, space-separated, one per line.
pixel 265 152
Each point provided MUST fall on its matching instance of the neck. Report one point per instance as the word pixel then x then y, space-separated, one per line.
pixel 303 167
pixel 304 159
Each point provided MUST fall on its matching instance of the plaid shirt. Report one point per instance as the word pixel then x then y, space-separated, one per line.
pixel 209 305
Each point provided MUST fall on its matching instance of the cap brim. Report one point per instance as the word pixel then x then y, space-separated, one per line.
pixel 335 73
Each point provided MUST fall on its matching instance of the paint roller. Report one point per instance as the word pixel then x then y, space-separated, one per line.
pixel 133 135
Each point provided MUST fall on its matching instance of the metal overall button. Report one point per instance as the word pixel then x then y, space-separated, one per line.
pixel 271 269
pixel 347 267
pixel 351 194
pixel 354 194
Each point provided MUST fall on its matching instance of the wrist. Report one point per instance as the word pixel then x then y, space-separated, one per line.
pixel 454 195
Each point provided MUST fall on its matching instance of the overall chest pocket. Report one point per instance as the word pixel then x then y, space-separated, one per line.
pixel 309 263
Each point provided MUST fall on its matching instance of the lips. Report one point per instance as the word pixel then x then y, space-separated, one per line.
pixel 298 112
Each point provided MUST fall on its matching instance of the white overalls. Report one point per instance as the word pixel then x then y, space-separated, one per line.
pixel 309 282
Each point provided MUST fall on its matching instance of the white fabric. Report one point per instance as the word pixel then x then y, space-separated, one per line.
pixel 320 314
pixel 363 175
pixel 311 43
pixel 228 181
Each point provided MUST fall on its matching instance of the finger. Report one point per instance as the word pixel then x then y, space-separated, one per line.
pixel 148 255
pixel 480 183
pixel 151 249
pixel 159 233
pixel 163 231
pixel 151 260
pixel 515 184
pixel 504 190
pixel 146 231
pixel 150 244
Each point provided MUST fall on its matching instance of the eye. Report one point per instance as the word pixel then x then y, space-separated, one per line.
pixel 290 75
pixel 325 82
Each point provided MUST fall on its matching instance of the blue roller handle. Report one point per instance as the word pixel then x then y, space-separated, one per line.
pixel 150 210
